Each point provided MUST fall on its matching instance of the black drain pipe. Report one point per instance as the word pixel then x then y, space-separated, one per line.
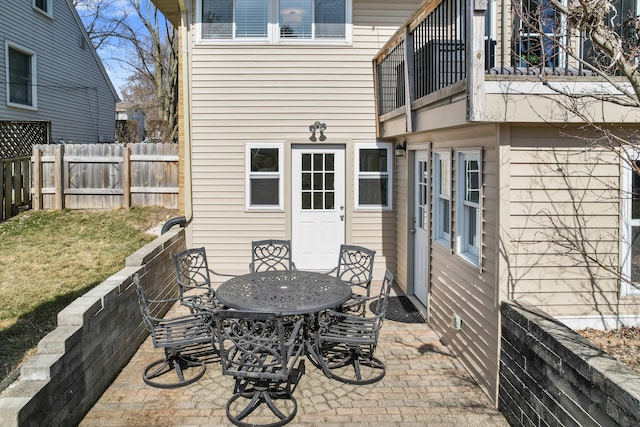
pixel 179 220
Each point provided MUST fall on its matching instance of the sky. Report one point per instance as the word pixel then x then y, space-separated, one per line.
pixel 112 55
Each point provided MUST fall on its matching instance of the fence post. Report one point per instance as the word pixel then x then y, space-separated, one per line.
pixel 126 177
pixel 5 179
pixel 37 179
pixel 58 177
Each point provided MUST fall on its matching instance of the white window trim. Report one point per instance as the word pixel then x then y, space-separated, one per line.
pixel 34 74
pixel 279 174
pixel 48 12
pixel 462 249
pixel 273 30
pixel 439 236
pixel 626 289
pixel 357 175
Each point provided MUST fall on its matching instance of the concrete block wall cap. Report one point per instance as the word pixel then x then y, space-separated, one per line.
pixel 10 409
pixel 60 339
pixel 149 251
pixel 106 290
pixel 39 367
pixel 79 311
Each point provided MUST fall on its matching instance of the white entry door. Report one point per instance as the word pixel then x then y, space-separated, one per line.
pixel 421 226
pixel 317 206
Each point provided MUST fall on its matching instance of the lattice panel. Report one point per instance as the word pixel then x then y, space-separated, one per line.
pixel 18 138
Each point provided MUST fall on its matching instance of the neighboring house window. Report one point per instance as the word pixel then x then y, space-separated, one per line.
pixel 469 177
pixel 264 175
pixel 21 77
pixel 44 6
pixel 248 20
pixel 373 175
pixel 442 198
pixel 631 226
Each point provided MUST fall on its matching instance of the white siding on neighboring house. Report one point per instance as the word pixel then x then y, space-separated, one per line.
pixel 73 90
pixel 243 93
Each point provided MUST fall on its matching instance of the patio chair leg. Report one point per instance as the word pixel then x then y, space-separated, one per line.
pixel 258 396
pixel 177 363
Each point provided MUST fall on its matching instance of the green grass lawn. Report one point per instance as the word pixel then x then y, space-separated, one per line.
pixel 49 258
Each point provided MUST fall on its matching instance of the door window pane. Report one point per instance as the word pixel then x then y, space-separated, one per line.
pixel 318 181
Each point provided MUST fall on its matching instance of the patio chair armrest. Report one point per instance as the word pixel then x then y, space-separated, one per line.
pixel 221 274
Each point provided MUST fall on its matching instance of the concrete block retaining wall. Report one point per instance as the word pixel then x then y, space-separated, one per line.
pixel 96 337
pixel 552 376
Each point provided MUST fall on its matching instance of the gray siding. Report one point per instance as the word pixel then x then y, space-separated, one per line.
pixel 73 90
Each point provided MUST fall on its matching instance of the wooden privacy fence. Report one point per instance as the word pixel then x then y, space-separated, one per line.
pixel 105 176
pixel 15 193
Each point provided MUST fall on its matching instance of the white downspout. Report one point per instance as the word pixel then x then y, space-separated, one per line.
pixel 186 88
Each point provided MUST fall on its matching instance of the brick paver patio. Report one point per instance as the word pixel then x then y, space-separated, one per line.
pixel 424 385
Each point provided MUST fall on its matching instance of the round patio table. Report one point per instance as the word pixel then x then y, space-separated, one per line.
pixel 287 292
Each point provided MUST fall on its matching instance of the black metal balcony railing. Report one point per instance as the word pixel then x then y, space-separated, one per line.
pixel 438 57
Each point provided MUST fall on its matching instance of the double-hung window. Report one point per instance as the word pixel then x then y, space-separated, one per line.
pixel 631 225
pixel 468 201
pixel 442 198
pixel 21 77
pixel 44 6
pixel 275 21
pixel 264 179
pixel 373 176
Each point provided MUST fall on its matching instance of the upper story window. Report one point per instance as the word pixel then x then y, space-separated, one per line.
pixel 469 184
pixel 631 226
pixel 442 198
pixel 273 21
pixel 44 6
pixel 373 175
pixel 264 175
pixel 21 77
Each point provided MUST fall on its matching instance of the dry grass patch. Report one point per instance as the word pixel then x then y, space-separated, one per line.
pixel 50 258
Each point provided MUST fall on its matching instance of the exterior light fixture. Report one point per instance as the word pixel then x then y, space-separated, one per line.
pixel 317 127
pixel 400 148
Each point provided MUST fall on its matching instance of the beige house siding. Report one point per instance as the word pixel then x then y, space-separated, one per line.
pixel 456 286
pixel 269 93
pixel 565 210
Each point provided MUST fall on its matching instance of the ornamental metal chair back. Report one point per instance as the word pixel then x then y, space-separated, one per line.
pixel 355 266
pixel 271 255
pixel 194 278
pixel 176 335
pixel 346 343
pixel 261 354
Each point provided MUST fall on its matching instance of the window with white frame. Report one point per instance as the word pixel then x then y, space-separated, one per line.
pixel 264 181
pixel 21 77
pixel 442 198
pixel 44 6
pixel 373 175
pixel 631 225
pixel 275 21
pixel 468 186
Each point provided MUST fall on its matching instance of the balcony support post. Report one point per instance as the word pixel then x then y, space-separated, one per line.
pixel 408 78
pixel 475 60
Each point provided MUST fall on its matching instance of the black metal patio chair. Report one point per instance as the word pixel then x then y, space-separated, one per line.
pixel 355 266
pixel 194 279
pixel 271 255
pixel 261 354
pixel 177 336
pixel 346 343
